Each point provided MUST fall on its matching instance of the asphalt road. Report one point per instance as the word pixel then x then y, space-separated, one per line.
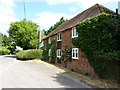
pixel 21 74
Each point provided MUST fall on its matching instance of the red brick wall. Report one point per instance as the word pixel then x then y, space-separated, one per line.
pixel 80 65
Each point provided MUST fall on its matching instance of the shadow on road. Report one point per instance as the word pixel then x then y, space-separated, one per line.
pixel 70 82
pixel 11 56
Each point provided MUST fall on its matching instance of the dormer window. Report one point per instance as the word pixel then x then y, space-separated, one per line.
pixel 59 38
pixel 74 32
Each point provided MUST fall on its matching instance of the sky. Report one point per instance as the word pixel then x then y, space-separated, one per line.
pixel 45 12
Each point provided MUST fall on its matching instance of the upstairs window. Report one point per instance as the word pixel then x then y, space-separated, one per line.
pixel 74 53
pixel 74 32
pixel 49 40
pixel 59 53
pixel 59 38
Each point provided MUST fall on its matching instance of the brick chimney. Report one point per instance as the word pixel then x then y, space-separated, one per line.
pixel 39 36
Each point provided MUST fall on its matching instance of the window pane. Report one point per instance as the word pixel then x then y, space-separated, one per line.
pixel 73 53
pixel 57 52
pixel 60 36
pixel 73 32
pixel 76 53
pixel 60 52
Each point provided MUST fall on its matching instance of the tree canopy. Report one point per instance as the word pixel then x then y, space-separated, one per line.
pixel 54 26
pixel 24 34
pixel 0 39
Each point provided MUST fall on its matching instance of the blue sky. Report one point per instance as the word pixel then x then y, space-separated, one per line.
pixel 45 12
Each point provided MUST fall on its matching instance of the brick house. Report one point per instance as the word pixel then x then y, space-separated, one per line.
pixel 64 34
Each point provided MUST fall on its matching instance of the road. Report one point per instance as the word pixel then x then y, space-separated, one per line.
pixel 22 74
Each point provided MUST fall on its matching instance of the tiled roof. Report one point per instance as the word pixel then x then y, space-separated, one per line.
pixel 90 12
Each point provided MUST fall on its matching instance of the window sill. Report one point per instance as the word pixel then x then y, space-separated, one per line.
pixel 59 40
pixel 75 37
pixel 74 58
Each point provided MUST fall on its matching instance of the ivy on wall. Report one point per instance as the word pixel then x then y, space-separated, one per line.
pixel 53 48
pixel 53 51
pixel 99 39
pixel 46 51
pixel 66 55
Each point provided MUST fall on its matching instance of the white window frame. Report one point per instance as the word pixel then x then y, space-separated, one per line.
pixel 59 37
pixel 75 53
pixel 59 53
pixel 49 40
pixel 74 32
pixel 49 52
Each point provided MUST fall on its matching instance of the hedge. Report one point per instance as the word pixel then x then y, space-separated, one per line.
pixel 4 51
pixel 29 54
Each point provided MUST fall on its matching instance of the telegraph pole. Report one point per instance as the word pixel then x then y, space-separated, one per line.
pixel 24 9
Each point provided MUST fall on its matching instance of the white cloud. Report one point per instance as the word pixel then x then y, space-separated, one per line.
pixel 81 3
pixel 7 15
pixel 47 19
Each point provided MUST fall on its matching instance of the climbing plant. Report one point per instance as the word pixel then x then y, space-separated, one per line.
pixel 53 51
pixel 99 39
pixel 46 51
pixel 66 55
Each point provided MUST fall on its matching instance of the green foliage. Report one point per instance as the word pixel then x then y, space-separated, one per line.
pixel 46 51
pixel 53 51
pixel 1 39
pixel 99 38
pixel 12 48
pixel 66 55
pixel 4 51
pixel 53 48
pixel 16 51
pixel 24 34
pixel 6 41
pixel 54 26
pixel 29 54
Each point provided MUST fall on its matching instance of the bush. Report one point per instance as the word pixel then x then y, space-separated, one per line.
pixel 16 51
pixel 4 51
pixel 29 54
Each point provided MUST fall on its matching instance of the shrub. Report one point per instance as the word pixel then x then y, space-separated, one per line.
pixel 29 54
pixel 16 51
pixel 4 51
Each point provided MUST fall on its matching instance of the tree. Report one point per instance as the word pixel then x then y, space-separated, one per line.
pixel 0 39
pixel 6 40
pixel 24 34
pixel 54 26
